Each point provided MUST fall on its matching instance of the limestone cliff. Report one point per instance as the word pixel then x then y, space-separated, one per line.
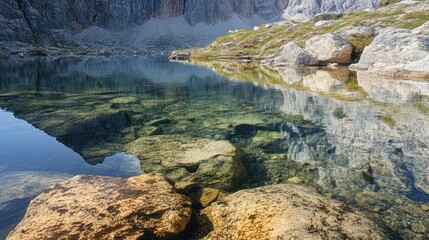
pixel 109 22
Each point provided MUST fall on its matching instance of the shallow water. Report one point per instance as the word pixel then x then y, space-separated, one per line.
pixel 357 138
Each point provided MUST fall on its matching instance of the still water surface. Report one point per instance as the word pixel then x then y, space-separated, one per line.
pixel 357 138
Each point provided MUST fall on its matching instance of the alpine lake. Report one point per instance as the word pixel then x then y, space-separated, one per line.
pixel 355 137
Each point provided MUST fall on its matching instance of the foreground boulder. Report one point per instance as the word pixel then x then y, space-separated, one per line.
pixel 294 55
pixel 397 51
pixel 330 48
pixel 205 162
pixel 90 207
pixel 286 212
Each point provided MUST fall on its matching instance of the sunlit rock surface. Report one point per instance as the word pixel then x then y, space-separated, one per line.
pixel 397 50
pixel 93 207
pixel 329 48
pixel 287 211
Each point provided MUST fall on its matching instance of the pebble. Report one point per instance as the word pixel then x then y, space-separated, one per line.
pixel 418 228
pixel 294 180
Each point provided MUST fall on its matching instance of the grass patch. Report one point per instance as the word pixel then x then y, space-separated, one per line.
pixel 387 119
pixel 422 108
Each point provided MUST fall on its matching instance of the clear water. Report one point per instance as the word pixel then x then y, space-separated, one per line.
pixel 356 138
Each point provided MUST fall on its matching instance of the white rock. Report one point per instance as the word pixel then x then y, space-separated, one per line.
pixel 397 50
pixel 294 55
pixel 329 48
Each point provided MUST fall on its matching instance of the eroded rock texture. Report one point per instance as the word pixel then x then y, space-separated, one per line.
pixel 91 207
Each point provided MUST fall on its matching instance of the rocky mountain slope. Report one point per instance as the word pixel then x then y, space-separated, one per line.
pixel 392 40
pixel 146 24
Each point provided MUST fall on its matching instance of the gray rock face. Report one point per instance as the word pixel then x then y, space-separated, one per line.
pixel 294 55
pixel 397 50
pixel 60 21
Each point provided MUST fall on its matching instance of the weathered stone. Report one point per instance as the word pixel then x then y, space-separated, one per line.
pixel 397 50
pixel 329 48
pixel 91 207
pixel 418 228
pixel 422 30
pixel 294 180
pixel 327 16
pixel 286 211
pixel 205 162
pixel 204 196
pixel 184 187
pixel 157 122
pixel 294 55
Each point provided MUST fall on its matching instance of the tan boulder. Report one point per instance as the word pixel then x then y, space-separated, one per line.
pixel 329 47
pixel 206 162
pixel 286 212
pixel 93 207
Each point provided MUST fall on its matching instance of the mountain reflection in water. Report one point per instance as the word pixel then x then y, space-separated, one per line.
pixel 357 138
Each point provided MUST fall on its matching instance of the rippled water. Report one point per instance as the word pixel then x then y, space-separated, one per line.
pixel 357 138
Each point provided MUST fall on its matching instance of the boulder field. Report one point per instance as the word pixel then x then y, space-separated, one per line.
pixel 393 51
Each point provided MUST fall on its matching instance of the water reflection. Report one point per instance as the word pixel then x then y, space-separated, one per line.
pixel 354 137
pixel 379 133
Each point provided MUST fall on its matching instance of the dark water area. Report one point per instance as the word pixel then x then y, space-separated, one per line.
pixel 354 137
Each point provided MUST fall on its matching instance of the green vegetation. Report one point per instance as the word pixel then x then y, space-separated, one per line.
pixel 422 108
pixel 387 119
pixel 261 43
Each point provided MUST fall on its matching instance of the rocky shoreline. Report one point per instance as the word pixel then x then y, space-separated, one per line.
pixel 377 44
pixel 149 207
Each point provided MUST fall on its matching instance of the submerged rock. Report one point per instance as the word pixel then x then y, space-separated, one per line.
pixel 329 47
pixel 294 55
pixel 90 207
pixel 26 184
pixel 206 162
pixel 287 212
pixel 396 50
pixel 16 191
